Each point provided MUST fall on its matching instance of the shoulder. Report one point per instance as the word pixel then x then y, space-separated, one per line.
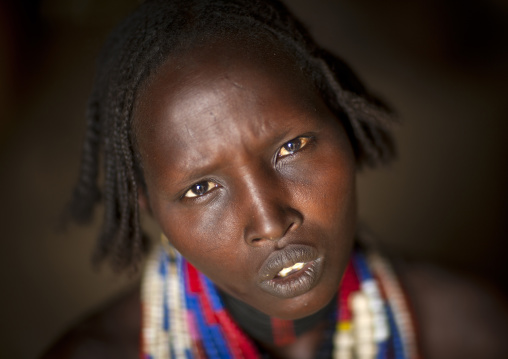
pixel 113 331
pixel 457 316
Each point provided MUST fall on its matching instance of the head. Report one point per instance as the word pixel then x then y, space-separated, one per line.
pixel 244 137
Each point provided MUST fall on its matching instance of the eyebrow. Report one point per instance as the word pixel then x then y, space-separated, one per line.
pixel 186 176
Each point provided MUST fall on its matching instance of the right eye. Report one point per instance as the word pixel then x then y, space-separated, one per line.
pixel 293 146
pixel 200 189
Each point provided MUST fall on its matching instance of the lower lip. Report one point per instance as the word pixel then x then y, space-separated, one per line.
pixel 296 283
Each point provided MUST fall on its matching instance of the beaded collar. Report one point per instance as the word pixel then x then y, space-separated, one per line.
pixel 263 328
pixel 184 315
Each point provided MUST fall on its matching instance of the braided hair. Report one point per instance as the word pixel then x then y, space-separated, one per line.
pixel 159 29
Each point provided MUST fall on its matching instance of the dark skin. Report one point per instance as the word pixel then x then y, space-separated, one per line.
pixel 241 159
pixel 278 168
pixel 458 317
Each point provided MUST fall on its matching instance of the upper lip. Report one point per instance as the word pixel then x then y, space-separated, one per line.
pixel 286 257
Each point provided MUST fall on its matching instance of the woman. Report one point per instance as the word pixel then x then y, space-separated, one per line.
pixel 242 138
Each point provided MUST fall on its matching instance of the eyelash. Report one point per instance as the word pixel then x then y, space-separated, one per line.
pixel 302 141
pixel 206 185
pixel 284 151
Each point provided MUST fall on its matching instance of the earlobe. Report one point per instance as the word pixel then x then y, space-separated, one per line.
pixel 143 202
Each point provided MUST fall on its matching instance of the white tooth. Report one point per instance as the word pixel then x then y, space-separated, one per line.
pixel 297 266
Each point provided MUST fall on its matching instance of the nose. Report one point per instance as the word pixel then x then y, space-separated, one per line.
pixel 268 212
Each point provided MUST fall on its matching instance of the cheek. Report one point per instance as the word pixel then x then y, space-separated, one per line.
pixel 339 200
pixel 195 230
pixel 328 195
pixel 333 208
pixel 207 239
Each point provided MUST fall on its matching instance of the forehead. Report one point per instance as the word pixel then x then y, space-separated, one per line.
pixel 218 65
pixel 218 91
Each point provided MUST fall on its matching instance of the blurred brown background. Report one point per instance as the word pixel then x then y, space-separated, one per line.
pixel 442 64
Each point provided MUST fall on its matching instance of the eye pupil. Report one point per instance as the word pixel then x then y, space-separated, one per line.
pixel 200 189
pixel 293 146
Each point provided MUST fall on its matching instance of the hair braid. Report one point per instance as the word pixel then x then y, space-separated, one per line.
pixel 86 192
pixel 367 116
pixel 123 205
pixel 368 120
pixel 136 49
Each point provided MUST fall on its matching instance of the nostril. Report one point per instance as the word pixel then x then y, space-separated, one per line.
pixel 289 227
pixel 261 240
pixel 256 240
pixel 271 225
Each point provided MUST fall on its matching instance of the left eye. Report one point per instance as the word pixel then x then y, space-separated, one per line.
pixel 293 146
pixel 200 189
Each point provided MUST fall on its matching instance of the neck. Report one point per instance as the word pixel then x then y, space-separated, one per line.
pixel 309 345
pixel 271 332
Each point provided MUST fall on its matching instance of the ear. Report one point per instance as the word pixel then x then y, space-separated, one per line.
pixel 143 202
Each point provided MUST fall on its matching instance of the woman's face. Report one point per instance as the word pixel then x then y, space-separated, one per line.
pixel 249 175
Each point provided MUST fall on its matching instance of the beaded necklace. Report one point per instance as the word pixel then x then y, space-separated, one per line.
pixel 270 330
pixel 184 316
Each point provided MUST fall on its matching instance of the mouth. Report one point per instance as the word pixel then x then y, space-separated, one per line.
pixel 291 272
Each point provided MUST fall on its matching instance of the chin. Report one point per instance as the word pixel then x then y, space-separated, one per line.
pixel 301 306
